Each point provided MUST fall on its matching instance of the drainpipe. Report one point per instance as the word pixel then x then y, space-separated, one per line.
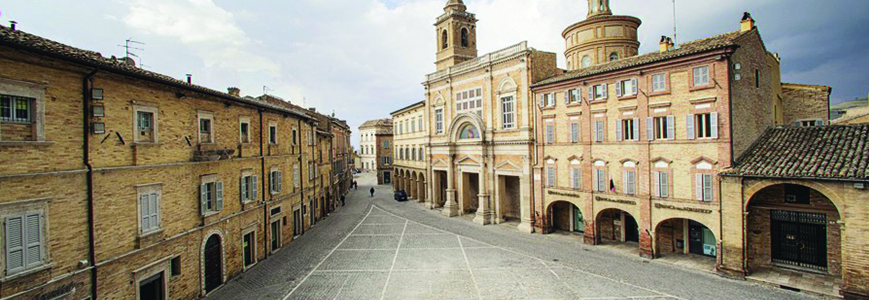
pixel 86 95
pixel 301 182
pixel 262 160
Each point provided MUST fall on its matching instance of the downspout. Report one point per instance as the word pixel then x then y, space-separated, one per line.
pixel 301 182
pixel 732 162
pixel 262 160
pixel 86 95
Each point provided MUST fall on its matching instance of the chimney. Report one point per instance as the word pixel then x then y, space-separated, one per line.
pixel 12 25
pixel 747 23
pixel 234 91
pixel 665 44
pixel 189 78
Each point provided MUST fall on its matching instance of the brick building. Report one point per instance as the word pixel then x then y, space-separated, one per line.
pixel 122 183
pixel 376 148
pixel 410 136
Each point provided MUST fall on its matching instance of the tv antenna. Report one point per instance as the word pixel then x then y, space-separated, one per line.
pixel 674 23
pixel 266 90
pixel 129 45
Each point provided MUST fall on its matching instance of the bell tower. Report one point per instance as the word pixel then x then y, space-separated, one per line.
pixel 599 8
pixel 456 32
pixel 601 38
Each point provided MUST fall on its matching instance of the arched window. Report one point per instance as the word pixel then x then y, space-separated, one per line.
pixel 614 56
pixel 586 61
pixel 568 65
pixel 469 132
pixel 444 40
pixel 465 37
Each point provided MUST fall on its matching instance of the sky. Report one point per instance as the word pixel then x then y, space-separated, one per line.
pixel 363 59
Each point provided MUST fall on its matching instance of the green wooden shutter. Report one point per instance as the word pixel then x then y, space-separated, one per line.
pixel 14 244
pixel 219 188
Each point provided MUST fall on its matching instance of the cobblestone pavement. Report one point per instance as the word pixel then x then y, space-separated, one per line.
pixel 376 248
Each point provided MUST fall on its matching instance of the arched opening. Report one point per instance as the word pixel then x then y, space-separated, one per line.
pixel 465 38
pixel 566 217
pixel 412 186
pixel 439 188
pixel 469 132
pixel 617 226
pixel 211 255
pixel 444 39
pixel 614 56
pixel 678 238
pixel 793 227
pixel 421 188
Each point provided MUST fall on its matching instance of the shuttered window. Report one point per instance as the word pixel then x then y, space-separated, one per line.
pixel 575 177
pixel 149 209
pixel 630 182
pixel 211 197
pixel 701 76
pixel 662 184
pixel 598 131
pixel 574 133
pixel 248 188
pixel 600 180
pixel 703 185
pixel 23 242
pixel 659 82
pixel 550 176
pixel 276 182
pixel 550 133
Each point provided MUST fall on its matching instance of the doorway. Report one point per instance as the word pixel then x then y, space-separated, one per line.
pixel 297 222
pixel 439 188
pixel 387 177
pixel 248 249
pixel 799 239
pixel 213 265
pixel 632 231
pixel 152 288
pixel 470 192
pixel 275 235
pixel 509 197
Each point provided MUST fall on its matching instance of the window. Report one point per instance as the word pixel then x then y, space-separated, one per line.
pixel 211 196
pixel 385 144
pixel 626 88
pixel 275 181
pixel 630 182
pixel 244 131
pixel 661 128
pixel 444 40
pixel 439 120
pixel 571 96
pixel 599 180
pixel 701 76
pixel 508 113
pixel 469 132
pixel 145 120
pixel 248 188
pixel 659 83
pixel 420 124
pixel 628 129
pixel 575 177
pixel 756 78
pixel 702 125
pixel 809 123
pixel 574 132
pixel 465 37
pixel 470 101
pixel 550 176
pixel 662 184
pixel 599 131
pixel 413 125
pixel 175 266
pixel 421 155
pixel 206 134
pixel 586 61
pixel 614 56
pixel 547 100
pixel 273 134
pixel 16 109
pixel 597 92
pixel 144 126
pixel 704 187
pixel 24 238
pixel 550 131
pixel 149 211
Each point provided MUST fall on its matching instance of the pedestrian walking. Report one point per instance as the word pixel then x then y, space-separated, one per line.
pixel 355 185
pixel 342 200
pixel 372 192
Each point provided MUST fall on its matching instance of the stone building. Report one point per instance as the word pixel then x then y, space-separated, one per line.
pixel 376 147
pixel 410 136
pixel 152 187
pixel 342 159
pixel 796 212
pixel 480 123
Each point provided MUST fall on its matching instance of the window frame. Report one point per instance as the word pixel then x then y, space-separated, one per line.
pixel 24 209
pixel 273 133
pixel 575 169
pixel 549 134
pixel 202 115
pixel 249 187
pixel 508 101
pixel 150 190
pixel 439 120
pixel 13 114
pixel 710 77
pixel 28 90
pixel 241 137
pixel 154 110
pixel 275 180
pixel 215 195
pixel 666 89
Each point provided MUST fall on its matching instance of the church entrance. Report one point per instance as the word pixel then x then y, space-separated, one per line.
pixel 470 192
pixel 509 197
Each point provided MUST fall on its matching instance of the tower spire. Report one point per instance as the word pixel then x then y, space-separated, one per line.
pixel 455 5
pixel 599 8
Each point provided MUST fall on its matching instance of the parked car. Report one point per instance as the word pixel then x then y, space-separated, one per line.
pixel 400 195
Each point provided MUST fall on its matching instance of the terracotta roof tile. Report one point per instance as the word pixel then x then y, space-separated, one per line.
pixel 826 152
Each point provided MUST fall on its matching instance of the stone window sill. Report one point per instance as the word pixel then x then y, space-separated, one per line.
pixel 26 273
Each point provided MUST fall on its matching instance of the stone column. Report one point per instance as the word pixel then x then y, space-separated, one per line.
pixel 451 207
pixel 484 208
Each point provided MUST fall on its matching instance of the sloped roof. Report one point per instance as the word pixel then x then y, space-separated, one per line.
pixel 378 122
pixel 804 91
pixel 824 152
pixel 692 47
pixel 43 46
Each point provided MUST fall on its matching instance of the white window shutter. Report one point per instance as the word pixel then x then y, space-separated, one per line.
pixel 600 130
pixel 605 91
pixel 665 185
pixel 155 210
pixel 33 240
pixel 590 93
pixel 542 100
pixel 243 193
pixel 671 127
pixel 698 186
pixel 219 188
pixel 203 198
pixel 636 129
pixel 280 181
pixel 144 212
pixel 567 97
pixel 713 118
pixel 14 243
pixel 633 86
pixel 595 176
pixel 707 187
pixel 650 128
pixel 689 127
pixel 619 87
pixel 253 187
pixel 625 182
pixel 618 130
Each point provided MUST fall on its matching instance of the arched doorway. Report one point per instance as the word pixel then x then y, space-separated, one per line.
pixel 212 259
pixel 685 237
pixel 421 188
pixel 615 225
pixel 439 187
pixel 565 216
pixel 795 227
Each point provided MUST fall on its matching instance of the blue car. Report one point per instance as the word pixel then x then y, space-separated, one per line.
pixel 400 195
